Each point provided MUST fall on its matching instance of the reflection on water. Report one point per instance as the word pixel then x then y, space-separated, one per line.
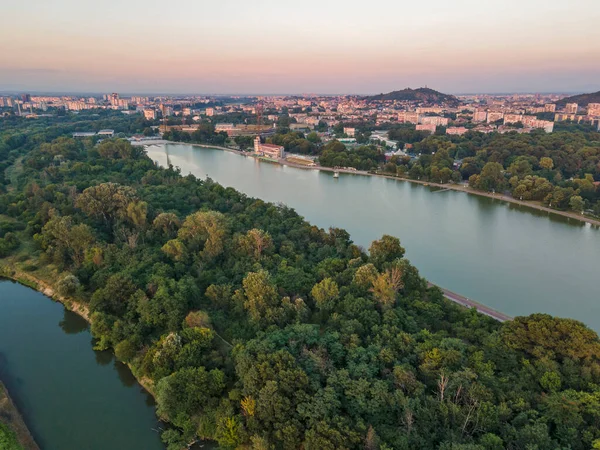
pixel 103 357
pixel 125 374
pixel 72 323
pixel 70 396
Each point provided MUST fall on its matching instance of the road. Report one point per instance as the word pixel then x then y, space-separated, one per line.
pixel 464 301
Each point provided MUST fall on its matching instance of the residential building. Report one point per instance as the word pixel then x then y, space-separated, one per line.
pixel 559 117
pixel 427 127
pixel 479 116
pixel 349 131
pixel 494 116
pixel 549 107
pixel 594 109
pixel 512 118
pixel 408 117
pixel 456 131
pixel 571 108
pixel 149 114
pixel 434 120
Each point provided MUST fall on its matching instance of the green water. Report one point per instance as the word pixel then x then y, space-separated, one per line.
pixel 514 259
pixel 71 397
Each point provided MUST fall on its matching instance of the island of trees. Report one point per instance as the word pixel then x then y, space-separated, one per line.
pixel 260 331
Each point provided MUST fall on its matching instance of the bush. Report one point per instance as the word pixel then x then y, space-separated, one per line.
pixel 69 285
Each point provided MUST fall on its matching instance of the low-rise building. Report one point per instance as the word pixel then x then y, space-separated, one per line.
pixel 227 127
pixel 268 150
pixel 427 127
pixel 456 131
pixel 350 132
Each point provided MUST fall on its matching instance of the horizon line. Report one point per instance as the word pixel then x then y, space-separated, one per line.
pixel 248 94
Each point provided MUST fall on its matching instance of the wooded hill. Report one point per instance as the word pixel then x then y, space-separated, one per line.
pixel 581 99
pixel 423 95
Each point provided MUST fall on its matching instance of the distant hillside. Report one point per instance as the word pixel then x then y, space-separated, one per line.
pixel 424 95
pixel 581 100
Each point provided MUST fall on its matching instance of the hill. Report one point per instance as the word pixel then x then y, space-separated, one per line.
pixel 424 95
pixel 581 99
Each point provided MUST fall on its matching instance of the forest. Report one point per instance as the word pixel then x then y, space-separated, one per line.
pixel 560 170
pixel 260 331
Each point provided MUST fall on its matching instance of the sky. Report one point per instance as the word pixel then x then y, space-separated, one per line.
pixel 306 46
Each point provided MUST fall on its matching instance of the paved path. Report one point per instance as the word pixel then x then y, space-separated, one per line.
pixel 463 301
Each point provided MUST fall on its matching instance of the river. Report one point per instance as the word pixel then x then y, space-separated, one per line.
pixel 512 258
pixel 70 396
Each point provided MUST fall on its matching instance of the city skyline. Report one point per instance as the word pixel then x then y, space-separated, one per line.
pixel 315 47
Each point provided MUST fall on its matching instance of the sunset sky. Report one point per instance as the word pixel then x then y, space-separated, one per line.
pixel 310 46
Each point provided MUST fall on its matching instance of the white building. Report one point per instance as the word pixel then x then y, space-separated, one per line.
pixel 268 150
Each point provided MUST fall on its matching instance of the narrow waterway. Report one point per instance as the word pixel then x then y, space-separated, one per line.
pixel 511 258
pixel 70 396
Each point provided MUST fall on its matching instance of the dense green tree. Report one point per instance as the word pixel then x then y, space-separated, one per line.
pixel 258 330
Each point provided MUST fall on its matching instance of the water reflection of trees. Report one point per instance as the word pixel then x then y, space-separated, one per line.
pixel 71 323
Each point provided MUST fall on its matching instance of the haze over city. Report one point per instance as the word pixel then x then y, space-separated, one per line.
pixel 328 47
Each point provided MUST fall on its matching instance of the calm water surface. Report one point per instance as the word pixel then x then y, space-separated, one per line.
pixel 71 397
pixel 512 258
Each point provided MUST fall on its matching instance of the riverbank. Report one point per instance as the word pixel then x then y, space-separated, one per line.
pixel 449 186
pixel 504 198
pixel 10 416
pixel 11 272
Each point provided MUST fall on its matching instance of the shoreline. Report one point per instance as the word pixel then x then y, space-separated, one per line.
pixel 450 186
pixel 12 418
pixel 10 272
